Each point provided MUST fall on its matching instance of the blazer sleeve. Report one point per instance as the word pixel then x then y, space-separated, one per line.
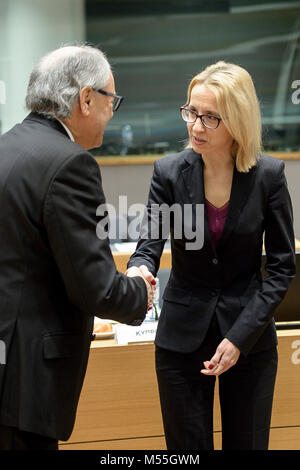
pixel 85 261
pixel 152 238
pixel 280 267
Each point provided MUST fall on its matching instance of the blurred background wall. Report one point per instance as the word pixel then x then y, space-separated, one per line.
pixel 155 47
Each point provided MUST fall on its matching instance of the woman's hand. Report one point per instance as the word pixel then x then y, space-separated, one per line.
pixel 226 356
pixel 147 275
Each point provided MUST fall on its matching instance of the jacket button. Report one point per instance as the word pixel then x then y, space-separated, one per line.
pixel 93 336
pixel 215 260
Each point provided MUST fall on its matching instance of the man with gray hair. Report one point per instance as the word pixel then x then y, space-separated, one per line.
pixel 55 273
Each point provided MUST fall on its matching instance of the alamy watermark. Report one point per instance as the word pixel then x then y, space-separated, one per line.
pixel 296 93
pixel 2 92
pixel 155 222
pixel 2 352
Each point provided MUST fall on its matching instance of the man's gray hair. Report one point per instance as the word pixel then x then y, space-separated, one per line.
pixel 57 79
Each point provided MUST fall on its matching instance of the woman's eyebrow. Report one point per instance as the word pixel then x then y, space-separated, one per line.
pixel 206 111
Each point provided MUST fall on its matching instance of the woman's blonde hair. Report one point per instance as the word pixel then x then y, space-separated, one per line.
pixel 238 107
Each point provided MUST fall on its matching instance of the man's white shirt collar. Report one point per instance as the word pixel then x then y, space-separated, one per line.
pixel 67 130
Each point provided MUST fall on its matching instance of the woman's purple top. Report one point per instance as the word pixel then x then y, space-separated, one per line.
pixel 216 221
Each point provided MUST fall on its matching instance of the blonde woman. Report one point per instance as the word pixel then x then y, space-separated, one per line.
pixel 217 314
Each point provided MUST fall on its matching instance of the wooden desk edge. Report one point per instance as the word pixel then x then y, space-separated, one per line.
pixel 111 343
pixel 119 160
pixel 121 260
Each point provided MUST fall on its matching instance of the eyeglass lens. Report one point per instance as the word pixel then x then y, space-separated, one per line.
pixel 116 103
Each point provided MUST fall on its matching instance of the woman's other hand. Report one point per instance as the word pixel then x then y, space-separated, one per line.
pixel 225 357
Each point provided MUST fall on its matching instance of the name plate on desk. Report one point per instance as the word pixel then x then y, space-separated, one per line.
pixel 125 334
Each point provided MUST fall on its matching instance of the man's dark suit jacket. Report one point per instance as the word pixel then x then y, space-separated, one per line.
pixel 226 281
pixel 55 274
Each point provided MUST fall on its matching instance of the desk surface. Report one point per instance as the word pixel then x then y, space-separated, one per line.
pixel 119 404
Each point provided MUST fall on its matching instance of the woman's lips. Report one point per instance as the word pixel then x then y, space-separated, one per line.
pixel 198 141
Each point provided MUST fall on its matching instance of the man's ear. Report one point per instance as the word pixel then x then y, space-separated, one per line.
pixel 85 97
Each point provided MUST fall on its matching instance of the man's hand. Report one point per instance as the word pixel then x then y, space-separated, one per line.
pixel 226 356
pixel 144 272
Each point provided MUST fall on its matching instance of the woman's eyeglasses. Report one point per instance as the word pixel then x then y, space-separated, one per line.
pixel 208 120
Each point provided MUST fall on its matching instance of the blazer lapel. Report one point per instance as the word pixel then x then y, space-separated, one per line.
pixel 240 190
pixel 193 177
pixel 194 184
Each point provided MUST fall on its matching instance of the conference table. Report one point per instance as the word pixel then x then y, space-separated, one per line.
pixel 119 404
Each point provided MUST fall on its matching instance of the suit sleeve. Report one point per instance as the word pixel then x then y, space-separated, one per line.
pixel 280 267
pixel 85 261
pixel 152 238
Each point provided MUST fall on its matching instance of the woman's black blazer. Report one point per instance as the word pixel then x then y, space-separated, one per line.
pixel 227 281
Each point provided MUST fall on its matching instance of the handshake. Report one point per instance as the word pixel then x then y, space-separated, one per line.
pixel 148 277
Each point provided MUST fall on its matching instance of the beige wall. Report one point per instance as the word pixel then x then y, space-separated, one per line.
pixel 130 180
pixel 134 181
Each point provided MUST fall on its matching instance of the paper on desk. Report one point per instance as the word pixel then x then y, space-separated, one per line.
pixel 125 334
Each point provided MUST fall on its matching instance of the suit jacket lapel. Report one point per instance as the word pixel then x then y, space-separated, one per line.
pixel 240 191
pixel 194 184
pixel 193 177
